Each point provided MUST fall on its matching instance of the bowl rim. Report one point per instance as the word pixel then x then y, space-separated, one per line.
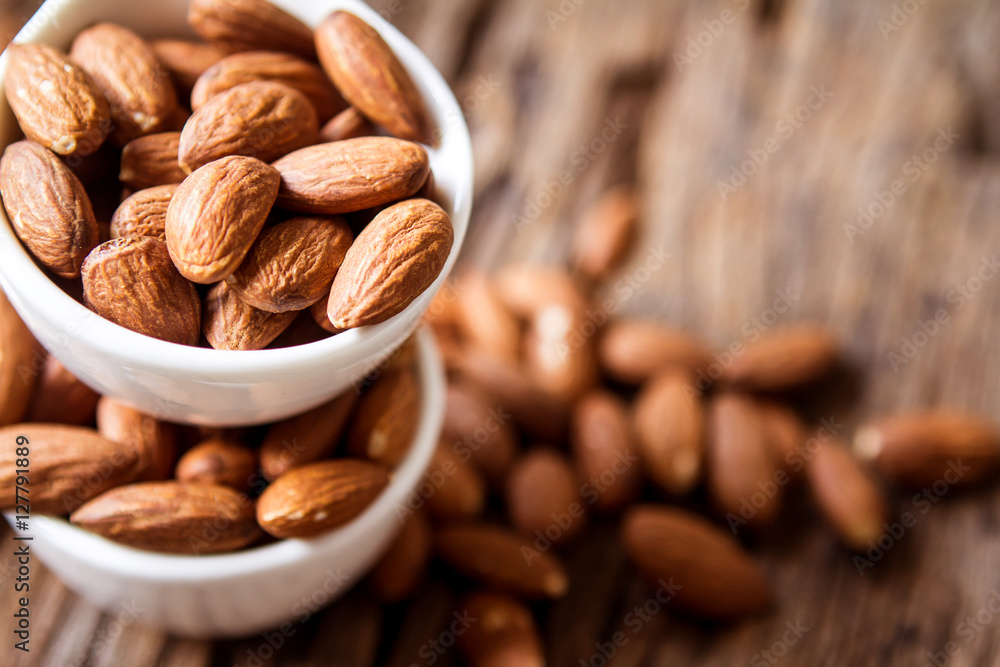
pixel 112 339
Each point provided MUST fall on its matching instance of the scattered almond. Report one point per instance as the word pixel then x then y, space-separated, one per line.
pixel 785 358
pixel 504 634
pixel 603 235
pixel 848 495
pixel 459 489
pixel 480 430
pixel 669 426
pixel 543 497
pixel 401 571
pixel 632 351
pixel 604 451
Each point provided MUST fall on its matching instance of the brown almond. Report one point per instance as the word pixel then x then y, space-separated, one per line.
pixel 706 571
pixel 218 462
pixel 560 351
pixel 351 175
pixel 305 438
pixel 501 559
pixel 60 398
pixel 53 217
pixel 172 517
pixel 485 320
pixel 21 360
pixel 848 495
pixel 318 497
pixel 294 72
pixel 392 262
pixel 348 124
pixel 743 481
pixel 920 449
pixel 69 465
pixel 386 418
pixel 186 60
pixel 669 426
pixel 144 213
pixel 371 78
pixel 604 450
pixel 543 497
pixel 230 324
pixel 784 358
pixel 132 282
pixel 602 236
pixel 292 265
pixel 151 161
pixel 139 90
pixel 504 634
pixel 261 119
pixel 57 104
pixel 401 571
pixel 156 441
pixel 481 431
pixel 250 25
pixel 322 320
pixel 632 351
pixel 216 215
pixel 784 433
pixel 459 491
pixel 525 289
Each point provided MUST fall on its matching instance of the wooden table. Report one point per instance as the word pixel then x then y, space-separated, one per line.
pixel 755 131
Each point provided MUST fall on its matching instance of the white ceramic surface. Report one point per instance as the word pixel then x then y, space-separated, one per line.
pixel 251 591
pixel 203 386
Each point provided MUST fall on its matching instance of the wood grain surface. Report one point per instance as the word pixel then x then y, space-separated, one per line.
pixel 840 155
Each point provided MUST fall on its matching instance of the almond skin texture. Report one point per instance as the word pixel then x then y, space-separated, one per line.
pixel 155 441
pixel 371 78
pixel 260 119
pixel 250 25
pixel 307 437
pixel 504 636
pixel 230 324
pixel 304 76
pixel 543 497
pixel 351 175
pixel 292 265
pixel 714 577
pixel 480 427
pixel 55 101
pixel 462 493
pixel 603 234
pixel 218 462
pixel 394 259
pixel 401 571
pixel 785 358
pixel 144 213
pixel 53 217
pixel 386 418
pixel 501 559
pixel 69 465
pixel 125 68
pixel 151 161
pixel 319 497
pixel 669 426
pixel 172 517
pixel 923 448
pixel 133 283
pixel 217 213
pixel 186 60
pixel 848 495
pixel 348 124
pixel 604 450
pixel 632 351
pixel 60 398
pixel 21 357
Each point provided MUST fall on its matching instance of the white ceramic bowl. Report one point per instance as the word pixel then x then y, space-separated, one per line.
pixel 257 589
pixel 203 386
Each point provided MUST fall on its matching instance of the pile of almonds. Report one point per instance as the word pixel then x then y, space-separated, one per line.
pixel 258 180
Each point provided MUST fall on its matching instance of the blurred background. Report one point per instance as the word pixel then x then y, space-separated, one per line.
pixel 838 155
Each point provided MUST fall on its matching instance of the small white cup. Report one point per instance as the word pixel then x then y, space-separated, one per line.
pixel 203 386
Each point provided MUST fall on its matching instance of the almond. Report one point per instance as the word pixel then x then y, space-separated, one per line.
pixel 303 76
pixel 482 431
pixel 230 324
pixel 172 517
pixel 139 90
pixel 543 497
pixel 60 398
pixel 144 213
pixel 54 217
pixel 21 359
pixel 318 313
pixel 502 559
pixel 305 438
pixel 670 432
pixel 56 102
pixel 602 236
pixel 784 433
pixel 318 497
pixel 348 124
pixel 924 448
pixel 151 161
pixel 351 175
pixel 371 78
pixel 292 264
pixel 848 495
pixel 250 25
pixel 526 289
pixel 784 358
pixel 217 213
pixel 632 351
pixel 604 450
pixel 261 119
pixel 69 465
pixel 218 462
pixel 459 489
pixel 132 282
pixel 386 418
pixel 504 634
pixel 156 441
pixel 713 577
pixel 186 60
pixel 559 350
pixel 401 571
pixel 485 320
